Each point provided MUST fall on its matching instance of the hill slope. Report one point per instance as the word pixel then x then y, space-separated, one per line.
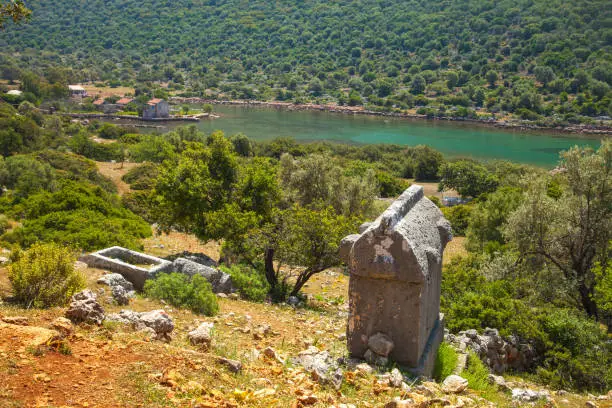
pixel 349 51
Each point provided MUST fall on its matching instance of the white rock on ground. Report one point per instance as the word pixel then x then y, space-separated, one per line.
pixel 454 384
pixel 202 335
pixel 380 344
pixel 84 307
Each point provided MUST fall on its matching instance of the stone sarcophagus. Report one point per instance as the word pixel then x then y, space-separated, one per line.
pixel 394 292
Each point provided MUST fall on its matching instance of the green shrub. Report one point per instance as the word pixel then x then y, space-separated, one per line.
pixel 477 374
pixel 578 353
pixel 142 177
pixel 251 283
pixel 459 217
pixel 44 276
pixel 4 223
pixel 194 293
pixel 78 215
pixel 390 186
pixel 446 361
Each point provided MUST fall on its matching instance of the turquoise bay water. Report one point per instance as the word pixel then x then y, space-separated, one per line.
pixel 451 138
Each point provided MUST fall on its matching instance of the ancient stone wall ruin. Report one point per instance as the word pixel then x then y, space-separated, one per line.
pixel 395 269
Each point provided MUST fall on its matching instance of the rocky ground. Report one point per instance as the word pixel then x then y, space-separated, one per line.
pixel 255 355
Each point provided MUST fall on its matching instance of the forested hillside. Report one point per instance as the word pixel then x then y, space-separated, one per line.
pixel 531 58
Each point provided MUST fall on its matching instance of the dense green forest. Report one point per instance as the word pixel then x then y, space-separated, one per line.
pixel 536 59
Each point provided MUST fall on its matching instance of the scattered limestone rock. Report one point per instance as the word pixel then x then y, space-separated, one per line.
pixel 63 326
pixel 121 296
pixel 84 308
pixel 364 368
pixel 116 279
pixel 18 320
pixel 375 359
pixel 395 378
pixel 321 366
pixel 590 404
pixel 527 395
pixel 380 344
pixel 261 331
pixel 399 403
pixel 499 381
pixel 233 365
pixel 498 353
pixel 160 322
pixel 202 336
pixel 454 384
pixel 157 322
pixel 271 353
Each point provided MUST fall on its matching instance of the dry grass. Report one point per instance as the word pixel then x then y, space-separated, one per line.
pixel 455 248
pixel 115 171
pixel 107 91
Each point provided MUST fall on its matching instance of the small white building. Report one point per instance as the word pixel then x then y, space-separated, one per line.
pixel 77 90
pixel 14 92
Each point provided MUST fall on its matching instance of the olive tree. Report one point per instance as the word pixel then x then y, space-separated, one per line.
pixel 571 233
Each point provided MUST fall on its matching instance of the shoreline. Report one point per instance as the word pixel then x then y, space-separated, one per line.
pixel 587 130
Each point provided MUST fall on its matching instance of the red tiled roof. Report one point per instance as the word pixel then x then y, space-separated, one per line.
pixel 124 101
pixel 99 102
pixel 154 101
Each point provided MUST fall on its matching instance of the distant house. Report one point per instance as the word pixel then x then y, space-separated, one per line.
pixel 77 90
pixel 99 102
pixel 14 92
pixel 123 102
pixel 156 109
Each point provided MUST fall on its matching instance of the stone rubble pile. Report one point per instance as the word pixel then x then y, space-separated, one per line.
pixel 84 308
pixel 497 353
pixel 321 365
pixel 121 289
pixel 156 322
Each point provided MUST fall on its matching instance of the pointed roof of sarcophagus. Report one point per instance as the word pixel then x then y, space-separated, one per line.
pixel 412 228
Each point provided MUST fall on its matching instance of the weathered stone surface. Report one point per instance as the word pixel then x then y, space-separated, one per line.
pixel 124 261
pixel 233 365
pixel 84 308
pixel 157 322
pixel 394 288
pixel 26 337
pixel 202 335
pixel 375 359
pixel 116 279
pixel 399 403
pixel 18 320
pixel 62 326
pixel 396 378
pixel 120 295
pixel 380 344
pixel 499 354
pixel 321 365
pixel 527 395
pixel 454 384
pixel 221 282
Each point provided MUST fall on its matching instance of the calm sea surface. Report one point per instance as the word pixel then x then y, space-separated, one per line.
pixel 452 138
